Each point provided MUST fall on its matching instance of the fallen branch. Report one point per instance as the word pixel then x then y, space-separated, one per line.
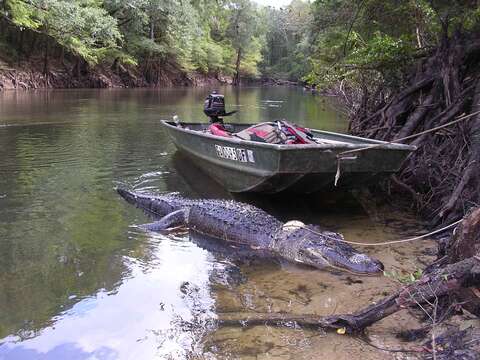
pixel 442 282
pixel 467 175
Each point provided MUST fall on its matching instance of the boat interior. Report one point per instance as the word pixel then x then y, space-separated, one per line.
pixel 318 136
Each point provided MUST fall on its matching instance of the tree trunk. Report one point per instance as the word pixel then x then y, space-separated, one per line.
pixel 152 29
pixel 21 42
pixel 114 66
pixel 472 170
pixel 76 69
pixel 416 117
pixel 475 135
pixel 445 169
pixel 45 60
pixel 236 79
pixel 33 44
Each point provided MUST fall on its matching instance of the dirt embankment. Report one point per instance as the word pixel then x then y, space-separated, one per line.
pixel 30 76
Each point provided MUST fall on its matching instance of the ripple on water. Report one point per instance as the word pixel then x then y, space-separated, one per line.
pixel 148 182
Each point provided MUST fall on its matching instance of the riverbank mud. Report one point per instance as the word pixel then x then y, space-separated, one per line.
pixel 27 76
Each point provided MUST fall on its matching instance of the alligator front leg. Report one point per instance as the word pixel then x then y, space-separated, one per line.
pixel 173 220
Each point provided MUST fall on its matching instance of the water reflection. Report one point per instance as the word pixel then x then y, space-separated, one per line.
pixel 195 183
pixel 254 105
pixel 160 309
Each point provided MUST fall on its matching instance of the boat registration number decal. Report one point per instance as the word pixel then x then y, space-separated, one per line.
pixel 235 154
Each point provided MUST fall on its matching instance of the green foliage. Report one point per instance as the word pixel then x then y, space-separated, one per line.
pixel 251 58
pixel 243 23
pixel 322 42
pixel 87 30
pixel 287 44
pixel 211 57
pixel 22 14
pixel 381 50
pixel 244 32
pixel 377 40
pixel 193 35
pixel 80 26
pixel 207 36
pixel 404 278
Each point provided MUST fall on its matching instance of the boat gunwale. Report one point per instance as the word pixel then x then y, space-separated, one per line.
pixel 374 144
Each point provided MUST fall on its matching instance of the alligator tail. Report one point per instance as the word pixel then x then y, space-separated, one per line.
pixel 127 195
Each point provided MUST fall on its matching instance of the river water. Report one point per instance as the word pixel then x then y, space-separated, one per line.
pixel 78 280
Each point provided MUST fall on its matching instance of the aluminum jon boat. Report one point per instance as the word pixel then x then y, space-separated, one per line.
pixel 251 166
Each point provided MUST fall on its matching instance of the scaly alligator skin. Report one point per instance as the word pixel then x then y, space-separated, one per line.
pixel 245 224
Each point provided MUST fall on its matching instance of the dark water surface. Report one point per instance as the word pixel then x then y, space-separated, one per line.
pixel 78 281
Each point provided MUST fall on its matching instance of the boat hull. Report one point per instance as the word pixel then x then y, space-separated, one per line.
pixel 247 166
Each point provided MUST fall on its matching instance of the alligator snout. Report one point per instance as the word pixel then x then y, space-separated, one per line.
pixel 360 263
pixel 324 249
pixel 339 257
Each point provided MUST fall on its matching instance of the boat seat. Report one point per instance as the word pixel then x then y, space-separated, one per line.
pixel 263 132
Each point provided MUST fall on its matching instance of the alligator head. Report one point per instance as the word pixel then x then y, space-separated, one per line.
pixel 312 246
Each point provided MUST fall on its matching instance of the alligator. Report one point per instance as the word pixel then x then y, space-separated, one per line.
pixel 242 224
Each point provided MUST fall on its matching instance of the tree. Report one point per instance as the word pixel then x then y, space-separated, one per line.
pixel 243 26
pixel 287 50
pixel 154 36
pixel 81 27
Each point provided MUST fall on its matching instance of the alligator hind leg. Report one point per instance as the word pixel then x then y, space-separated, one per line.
pixel 172 220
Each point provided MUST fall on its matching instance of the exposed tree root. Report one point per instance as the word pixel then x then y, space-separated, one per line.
pixel 442 175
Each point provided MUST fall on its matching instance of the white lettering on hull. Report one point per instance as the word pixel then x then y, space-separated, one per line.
pixel 235 154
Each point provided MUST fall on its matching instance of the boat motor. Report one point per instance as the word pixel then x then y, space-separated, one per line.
pixel 214 107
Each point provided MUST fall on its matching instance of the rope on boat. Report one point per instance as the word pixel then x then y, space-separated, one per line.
pixel 379 243
pixel 340 155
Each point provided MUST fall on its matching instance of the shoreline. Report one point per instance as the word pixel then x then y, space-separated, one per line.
pixel 29 78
